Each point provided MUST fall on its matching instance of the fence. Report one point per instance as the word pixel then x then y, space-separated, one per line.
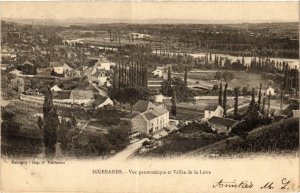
pixel 40 100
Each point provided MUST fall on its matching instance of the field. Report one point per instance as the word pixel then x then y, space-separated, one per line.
pixel 241 79
pixel 194 111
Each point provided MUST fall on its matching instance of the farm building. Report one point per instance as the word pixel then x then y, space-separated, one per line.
pixel 222 125
pixel 213 110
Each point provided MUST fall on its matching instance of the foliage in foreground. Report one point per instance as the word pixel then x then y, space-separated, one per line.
pixel 280 136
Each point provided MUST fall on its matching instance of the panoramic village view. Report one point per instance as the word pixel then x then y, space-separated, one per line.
pixel 123 90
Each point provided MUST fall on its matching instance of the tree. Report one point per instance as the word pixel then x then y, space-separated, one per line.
pixel 236 102
pixel 64 134
pixel 119 137
pixel 263 104
pixel 220 94
pixel 185 76
pixel 73 120
pixel 252 102
pixel 281 100
pixel 269 102
pixel 169 74
pixel 49 124
pixel 215 87
pixel 225 99
pixel 243 61
pixel 169 80
pixel 259 95
pixel 165 89
pixel 173 101
pixel 245 90
pixel 227 76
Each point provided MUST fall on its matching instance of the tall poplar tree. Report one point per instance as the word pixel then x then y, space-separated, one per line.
pixel 236 102
pixel 49 124
pixel 174 101
pixel 220 94
pixel 225 99
pixel 263 104
pixel 259 95
pixel 185 76
pixel 269 102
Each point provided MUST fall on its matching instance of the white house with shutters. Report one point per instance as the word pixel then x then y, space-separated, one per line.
pixel 213 110
pixel 148 118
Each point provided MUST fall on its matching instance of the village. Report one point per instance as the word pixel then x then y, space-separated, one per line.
pixel 120 93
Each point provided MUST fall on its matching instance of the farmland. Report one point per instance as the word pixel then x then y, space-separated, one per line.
pixel 241 79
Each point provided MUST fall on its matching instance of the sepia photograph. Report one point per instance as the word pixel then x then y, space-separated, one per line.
pixel 116 91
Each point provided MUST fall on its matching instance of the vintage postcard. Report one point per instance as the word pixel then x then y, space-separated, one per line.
pixel 110 96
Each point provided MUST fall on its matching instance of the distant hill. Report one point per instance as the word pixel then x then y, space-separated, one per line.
pixel 87 21
pixel 277 137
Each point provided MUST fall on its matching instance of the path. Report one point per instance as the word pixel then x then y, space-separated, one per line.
pixel 128 151
pixel 239 107
pixel 101 91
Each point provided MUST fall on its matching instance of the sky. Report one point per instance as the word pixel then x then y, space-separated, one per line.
pixel 215 11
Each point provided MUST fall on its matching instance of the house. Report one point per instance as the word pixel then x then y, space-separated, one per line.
pixel 67 67
pixel 213 110
pixel 82 97
pixel 148 118
pixel 101 101
pixel 55 88
pixel 57 68
pixel 296 113
pixel 100 76
pixel 270 90
pixel 61 94
pixel 72 73
pixel 28 68
pixel 222 125
pixel 102 64
pixel 139 35
pixel 159 98
pixel 18 84
pixel 157 72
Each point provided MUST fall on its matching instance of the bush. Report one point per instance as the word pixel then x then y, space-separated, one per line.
pixel 215 87
pixel 119 137
pixel 196 127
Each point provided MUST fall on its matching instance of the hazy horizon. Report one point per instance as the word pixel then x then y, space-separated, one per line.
pixel 79 20
pixel 160 12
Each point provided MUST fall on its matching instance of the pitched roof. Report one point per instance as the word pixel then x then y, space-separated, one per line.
pixel 98 73
pixel 290 108
pixel 27 62
pixel 80 114
pixel 99 100
pixel 211 106
pixel 222 121
pixel 131 116
pixel 82 94
pixel 144 106
pixel 63 94
pixel 159 110
pixel 141 106
pixel 150 115
pixel 56 64
pixel 55 88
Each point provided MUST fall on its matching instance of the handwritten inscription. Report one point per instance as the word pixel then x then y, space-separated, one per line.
pixel 269 185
